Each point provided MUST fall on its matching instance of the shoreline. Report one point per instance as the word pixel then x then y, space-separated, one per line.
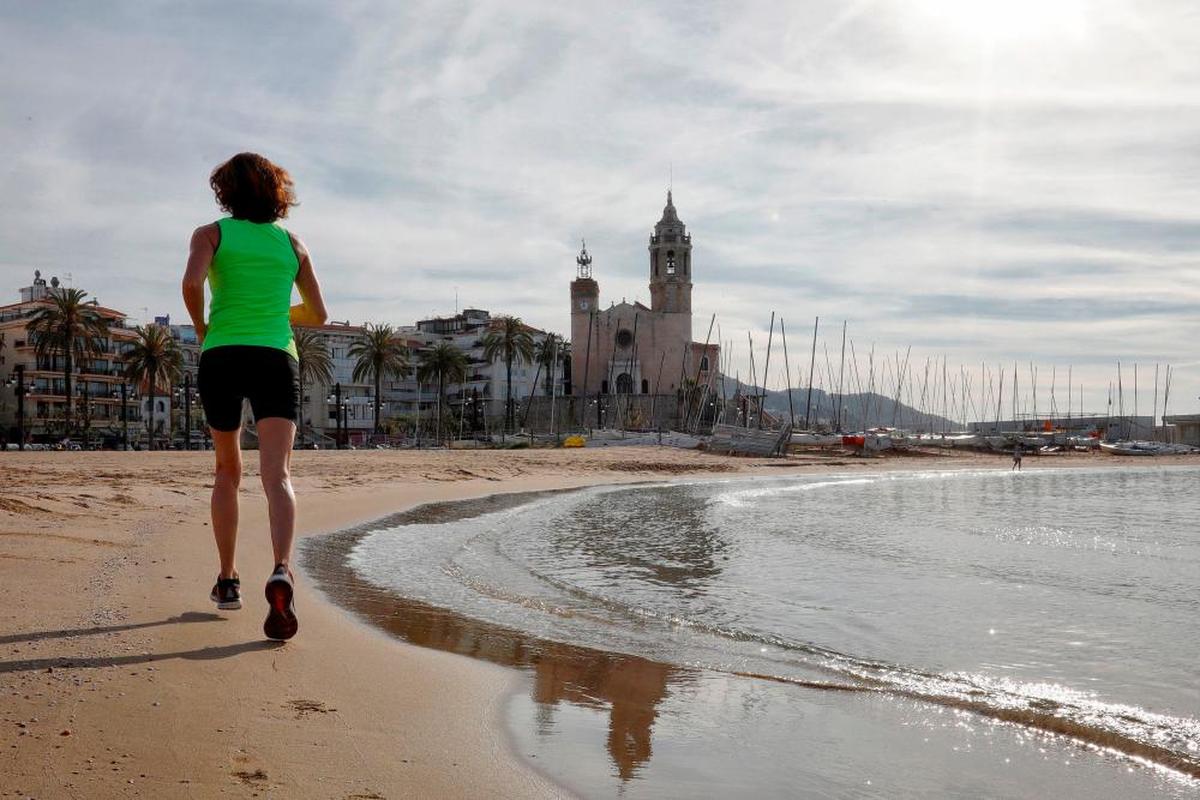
pixel 110 638
pixel 109 564
pixel 533 655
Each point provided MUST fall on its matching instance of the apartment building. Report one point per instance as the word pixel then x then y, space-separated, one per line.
pixel 100 389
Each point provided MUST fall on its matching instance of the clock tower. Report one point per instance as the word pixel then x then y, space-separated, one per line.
pixel 585 300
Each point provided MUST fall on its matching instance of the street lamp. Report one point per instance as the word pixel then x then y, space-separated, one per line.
pixel 339 410
pixel 187 410
pixel 467 403
pixel 86 422
pixel 19 382
pixel 124 395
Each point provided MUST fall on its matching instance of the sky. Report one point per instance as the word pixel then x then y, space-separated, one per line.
pixel 986 182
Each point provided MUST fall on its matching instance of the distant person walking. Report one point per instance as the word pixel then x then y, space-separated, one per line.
pixel 247 352
pixel 1016 458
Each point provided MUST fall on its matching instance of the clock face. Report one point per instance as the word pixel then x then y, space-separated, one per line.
pixel 583 305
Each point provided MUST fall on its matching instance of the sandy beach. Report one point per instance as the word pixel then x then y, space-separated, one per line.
pixel 119 679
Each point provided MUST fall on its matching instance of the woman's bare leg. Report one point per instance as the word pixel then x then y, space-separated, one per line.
pixel 275 436
pixel 226 480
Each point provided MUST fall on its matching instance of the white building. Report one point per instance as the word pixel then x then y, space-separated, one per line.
pixel 484 389
pixel 487 381
pixel 318 406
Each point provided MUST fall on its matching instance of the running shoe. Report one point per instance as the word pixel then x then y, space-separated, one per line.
pixel 227 593
pixel 281 623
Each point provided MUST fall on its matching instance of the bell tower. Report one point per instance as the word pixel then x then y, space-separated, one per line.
pixel 585 292
pixel 585 301
pixel 670 264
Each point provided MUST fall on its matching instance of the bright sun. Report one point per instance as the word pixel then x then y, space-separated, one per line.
pixel 996 21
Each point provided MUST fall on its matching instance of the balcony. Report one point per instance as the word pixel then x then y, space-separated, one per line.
pixel 668 238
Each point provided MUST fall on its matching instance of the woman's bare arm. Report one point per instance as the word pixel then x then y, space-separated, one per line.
pixel 312 310
pixel 200 256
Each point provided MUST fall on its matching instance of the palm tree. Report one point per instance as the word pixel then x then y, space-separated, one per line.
pixel 509 339
pixel 69 327
pixel 154 360
pixel 378 352
pixel 448 364
pixel 314 363
pixel 549 354
pixel 546 353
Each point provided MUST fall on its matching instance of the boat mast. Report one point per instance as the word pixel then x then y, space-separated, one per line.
pixel 766 371
pixel 945 400
pixel 787 369
pixel 857 384
pixel 1069 368
pixel 703 395
pixel 1053 399
pixel 629 371
pixel 662 359
pixel 1014 399
pixel 812 362
pixel 924 389
pixel 1120 398
pixel 900 383
pixel 1154 408
pixel 841 370
pixel 1033 383
pixel 999 396
pixel 753 377
pixel 1166 392
pixel 587 364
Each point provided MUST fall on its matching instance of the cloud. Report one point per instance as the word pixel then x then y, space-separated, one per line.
pixel 1023 196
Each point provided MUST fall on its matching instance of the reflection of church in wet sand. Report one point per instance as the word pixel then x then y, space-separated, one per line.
pixel 631 687
pixel 628 688
pixel 628 348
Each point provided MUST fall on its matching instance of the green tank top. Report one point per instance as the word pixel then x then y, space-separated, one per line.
pixel 251 280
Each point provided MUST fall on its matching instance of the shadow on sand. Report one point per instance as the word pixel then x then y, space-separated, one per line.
pixel 65 633
pixel 94 662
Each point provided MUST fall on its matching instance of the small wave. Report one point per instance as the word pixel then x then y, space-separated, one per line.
pixel 738 498
pixel 1127 734
pixel 1157 739
pixel 481 562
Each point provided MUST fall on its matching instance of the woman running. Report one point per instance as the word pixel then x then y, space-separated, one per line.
pixel 247 352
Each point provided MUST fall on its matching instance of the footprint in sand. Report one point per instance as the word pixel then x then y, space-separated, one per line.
pixel 305 707
pixel 257 778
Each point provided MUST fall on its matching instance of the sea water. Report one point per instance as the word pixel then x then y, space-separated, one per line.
pixel 951 634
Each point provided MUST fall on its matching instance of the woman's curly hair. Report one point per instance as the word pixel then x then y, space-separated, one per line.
pixel 250 187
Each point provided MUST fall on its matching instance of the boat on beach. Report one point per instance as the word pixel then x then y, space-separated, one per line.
pixel 1142 448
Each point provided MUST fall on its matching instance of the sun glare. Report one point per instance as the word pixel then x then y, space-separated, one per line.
pixel 999 21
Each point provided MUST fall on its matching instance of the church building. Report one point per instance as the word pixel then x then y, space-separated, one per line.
pixel 628 348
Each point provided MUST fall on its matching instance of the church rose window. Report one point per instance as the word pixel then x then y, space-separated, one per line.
pixel 624 338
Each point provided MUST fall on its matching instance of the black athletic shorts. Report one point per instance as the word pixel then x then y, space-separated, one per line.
pixel 266 376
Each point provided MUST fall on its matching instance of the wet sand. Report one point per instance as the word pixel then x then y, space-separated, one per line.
pixel 119 679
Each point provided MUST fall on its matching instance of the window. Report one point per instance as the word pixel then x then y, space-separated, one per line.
pixel 670 262
pixel 645 386
pixel 624 338
pixel 704 364
pixel 624 383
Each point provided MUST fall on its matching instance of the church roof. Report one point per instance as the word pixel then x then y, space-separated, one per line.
pixel 624 305
pixel 669 217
